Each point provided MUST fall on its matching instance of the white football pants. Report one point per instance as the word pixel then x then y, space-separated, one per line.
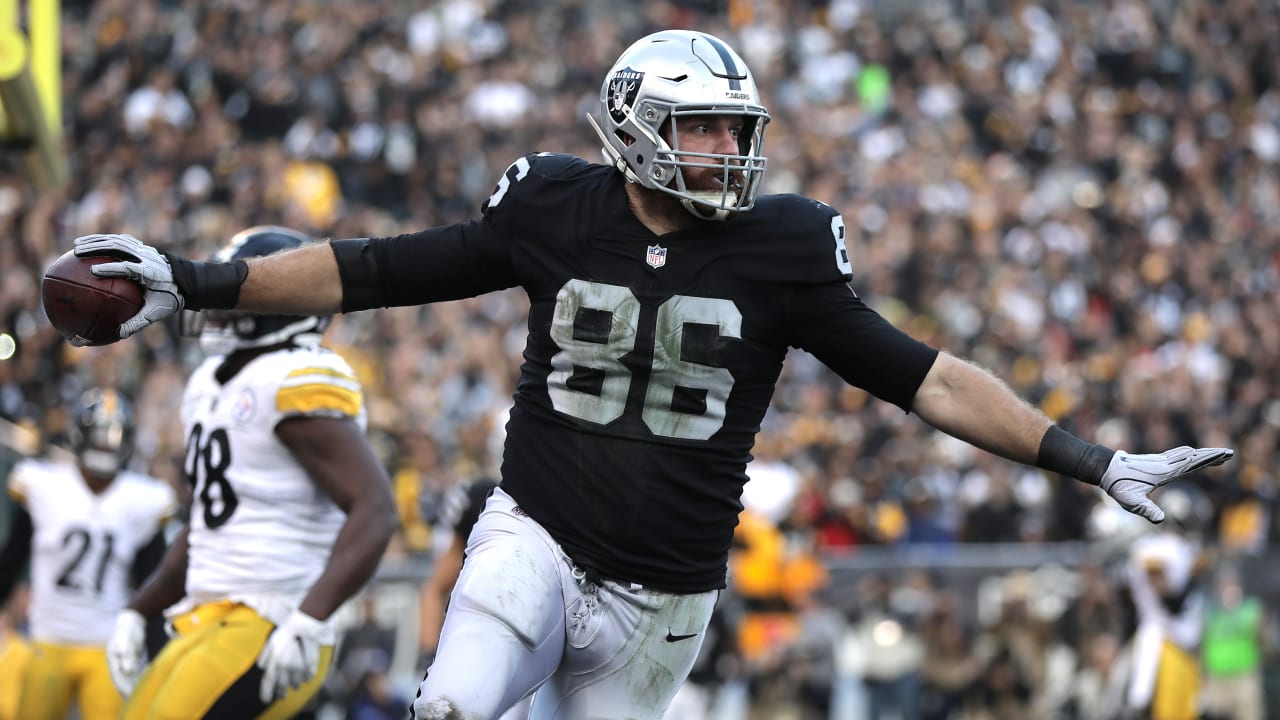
pixel 522 618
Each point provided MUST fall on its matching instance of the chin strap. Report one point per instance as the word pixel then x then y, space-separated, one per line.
pixel 705 212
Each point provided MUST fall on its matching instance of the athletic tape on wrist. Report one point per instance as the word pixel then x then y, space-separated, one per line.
pixel 1064 453
pixel 208 285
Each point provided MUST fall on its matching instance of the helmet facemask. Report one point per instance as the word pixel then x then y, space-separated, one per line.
pixel 222 332
pixel 669 76
pixel 102 432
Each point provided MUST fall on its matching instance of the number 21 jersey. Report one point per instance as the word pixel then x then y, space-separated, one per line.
pixel 84 544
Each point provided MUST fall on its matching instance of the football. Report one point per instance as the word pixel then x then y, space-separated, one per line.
pixel 82 304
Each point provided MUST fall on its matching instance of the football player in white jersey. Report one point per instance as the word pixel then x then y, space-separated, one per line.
pixel 291 512
pixel 1166 569
pixel 92 530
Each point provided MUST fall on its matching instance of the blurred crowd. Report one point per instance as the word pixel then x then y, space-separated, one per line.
pixel 1082 196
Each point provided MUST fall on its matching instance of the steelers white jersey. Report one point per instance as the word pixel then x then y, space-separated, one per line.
pixel 83 546
pixel 260 527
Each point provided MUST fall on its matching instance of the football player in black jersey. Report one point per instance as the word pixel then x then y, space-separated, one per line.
pixel 665 293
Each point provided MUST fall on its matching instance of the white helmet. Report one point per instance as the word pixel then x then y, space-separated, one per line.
pixel 675 73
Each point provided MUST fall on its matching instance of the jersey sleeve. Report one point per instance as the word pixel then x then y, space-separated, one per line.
pixel 826 318
pixel 21 481
pixel 809 260
pixel 449 262
pixel 463 260
pixel 800 241
pixel 163 503
pixel 516 209
pixel 321 386
pixel 15 553
pixel 860 345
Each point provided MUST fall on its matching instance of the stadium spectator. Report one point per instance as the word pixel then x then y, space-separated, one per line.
pixel 685 162
pixel 999 136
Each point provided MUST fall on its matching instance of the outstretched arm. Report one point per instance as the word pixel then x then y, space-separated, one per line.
pixel 442 263
pixel 969 403
pixel 304 281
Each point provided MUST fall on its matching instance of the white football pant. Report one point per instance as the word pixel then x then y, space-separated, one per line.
pixel 522 618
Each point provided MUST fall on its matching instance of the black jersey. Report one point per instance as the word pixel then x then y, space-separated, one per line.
pixel 650 360
pixel 463 505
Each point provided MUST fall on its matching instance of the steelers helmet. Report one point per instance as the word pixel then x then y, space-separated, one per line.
pixel 102 431
pixel 223 332
pixel 668 75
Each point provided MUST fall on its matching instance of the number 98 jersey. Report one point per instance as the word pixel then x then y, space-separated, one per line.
pixel 259 525
pixel 83 545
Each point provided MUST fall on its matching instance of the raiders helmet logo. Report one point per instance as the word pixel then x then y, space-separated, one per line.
pixel 623 87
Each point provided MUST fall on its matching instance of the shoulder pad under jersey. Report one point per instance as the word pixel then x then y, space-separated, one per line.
pixel 537 181
pixel 805 238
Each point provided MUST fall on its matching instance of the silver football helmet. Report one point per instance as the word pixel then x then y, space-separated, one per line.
pixel 675 73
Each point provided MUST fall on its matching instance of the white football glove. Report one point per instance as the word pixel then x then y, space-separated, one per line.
pixel 148 267
pixel 291 656
pixel 126 650
pixel 1131 478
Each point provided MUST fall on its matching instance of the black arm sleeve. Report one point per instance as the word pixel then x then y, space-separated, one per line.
pixel 866 350
pixel 16 551
pixel 147 559
pixel 443 263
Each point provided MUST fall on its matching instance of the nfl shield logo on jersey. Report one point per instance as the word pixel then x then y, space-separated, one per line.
pixel 656 256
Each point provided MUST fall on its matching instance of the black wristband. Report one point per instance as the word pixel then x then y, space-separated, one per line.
pixel 1064 453
pixel 358 270
pixel 207 285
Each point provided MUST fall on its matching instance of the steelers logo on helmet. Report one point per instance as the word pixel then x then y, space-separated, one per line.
pixel 223 332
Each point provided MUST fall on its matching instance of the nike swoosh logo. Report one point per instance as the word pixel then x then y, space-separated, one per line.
pixel 671 637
